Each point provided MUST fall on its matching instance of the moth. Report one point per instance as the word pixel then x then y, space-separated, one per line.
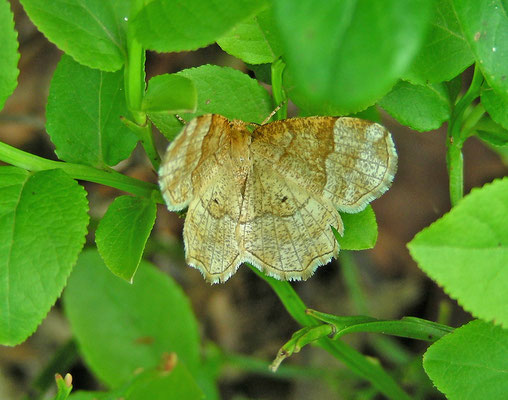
pixel 269 197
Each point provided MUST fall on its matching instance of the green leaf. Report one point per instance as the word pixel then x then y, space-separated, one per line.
pixel 370 114
pixel 148 318
pixel 309 108
pixel 176 384
pixel 169 93
pixel 490 132
pixel 360 230
pixel 221 90
pixel 454 87
pixel 255 40
pixel 115 394
pixel 485 27
pixel 502 151
pixel 262 72
pixel 83 115
pixel 349 53
pixel 86 395
pixel 89 395
pixel 122 234
pixel 466 252
pixel 421 107
pixel 169 26
pixel 91 31
pixel 154 384
pixel 496 106
pixel 9 55
pixel 444 53
pixel 43 219
pixel 470 363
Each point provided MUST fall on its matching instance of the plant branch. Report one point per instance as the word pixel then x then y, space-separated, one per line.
pixel 135 90
pixel 135 69
pixel 351 279
pixel 472 93
pixel 109 177
pixel 25 119
pixel 455 163
pixel 384 345
pixel 257 366
pixel 144 134
pixel 354 360
pixel 470 121
pixel 454 159
pixel 135 80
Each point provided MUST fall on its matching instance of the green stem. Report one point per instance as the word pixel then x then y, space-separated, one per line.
pixel 108 177
pixel 135 80
pixel 25 119
pixel 444 312
pixel 391 350
pixel 257 366
pixel 290 299
pixel 144 134
pixel 470 121
pixel 354 360
pixel 149 145
pixel 407 327
pixel 135 89
pixel 472 93
pixel 352 281
pixel 456 139
pixel 385 346
pixel 455 164
pixel 279 95
pixel 135 69
pixel 365 368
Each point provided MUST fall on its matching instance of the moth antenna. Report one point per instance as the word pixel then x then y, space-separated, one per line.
pixel 253 124
pixel 182 121
pixel 272 113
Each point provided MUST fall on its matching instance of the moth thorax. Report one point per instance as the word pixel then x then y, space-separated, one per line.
pixel 240 153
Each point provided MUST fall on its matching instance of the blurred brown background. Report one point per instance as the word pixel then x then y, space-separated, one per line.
pixel 244 316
